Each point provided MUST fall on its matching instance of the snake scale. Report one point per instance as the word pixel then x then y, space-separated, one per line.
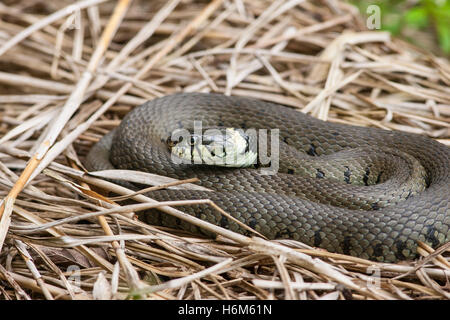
pixel 376 209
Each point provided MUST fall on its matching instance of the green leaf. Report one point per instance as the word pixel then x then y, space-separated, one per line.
pixel 444 37
pixel 417 17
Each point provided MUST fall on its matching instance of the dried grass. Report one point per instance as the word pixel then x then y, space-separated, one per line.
pixel 69 74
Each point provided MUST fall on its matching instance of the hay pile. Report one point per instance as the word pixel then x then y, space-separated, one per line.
pixel 64 84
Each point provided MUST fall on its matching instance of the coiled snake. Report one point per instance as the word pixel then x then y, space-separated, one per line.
pixel 366 192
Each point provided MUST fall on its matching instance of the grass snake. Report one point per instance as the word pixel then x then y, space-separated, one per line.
pixel 365 192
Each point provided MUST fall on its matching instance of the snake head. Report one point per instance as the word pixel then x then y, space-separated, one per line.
pixel 225 147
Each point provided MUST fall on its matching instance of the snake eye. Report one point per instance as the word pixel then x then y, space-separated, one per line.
pixel 193 140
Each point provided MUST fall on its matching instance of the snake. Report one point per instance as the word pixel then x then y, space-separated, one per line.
pixel 361 191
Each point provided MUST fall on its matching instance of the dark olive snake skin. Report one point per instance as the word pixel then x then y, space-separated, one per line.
pixel 366 192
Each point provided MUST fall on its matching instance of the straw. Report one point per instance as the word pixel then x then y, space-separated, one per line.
pixel 69 75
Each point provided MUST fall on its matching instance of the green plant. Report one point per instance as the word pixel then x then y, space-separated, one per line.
pixel 425 15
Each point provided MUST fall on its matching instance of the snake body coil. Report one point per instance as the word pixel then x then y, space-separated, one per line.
pixel 378 216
